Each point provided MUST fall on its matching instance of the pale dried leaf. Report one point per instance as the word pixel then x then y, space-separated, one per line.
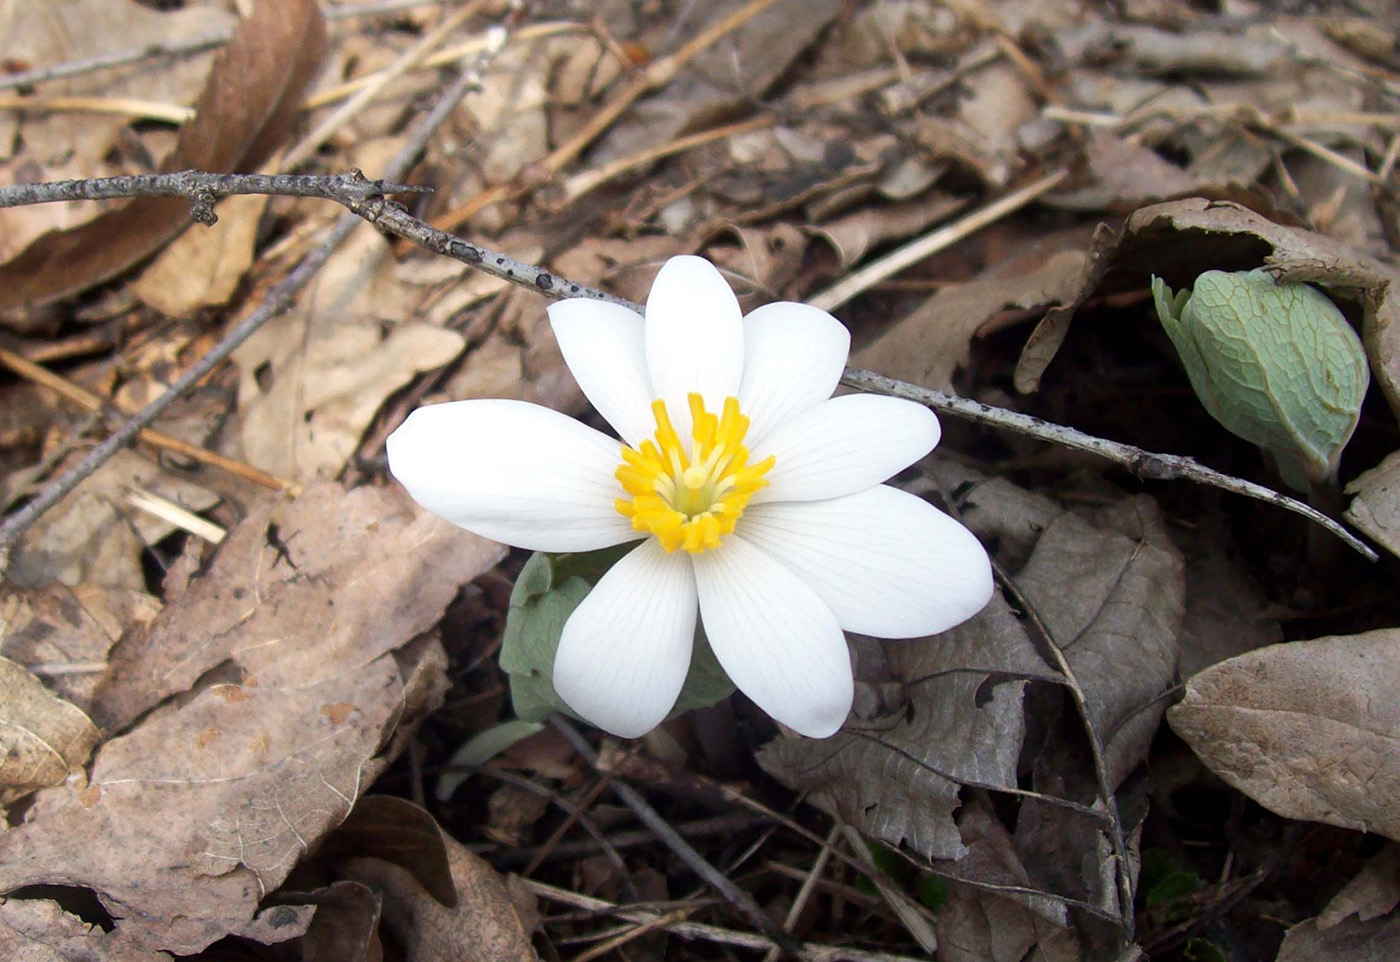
pixel 740 67
pixel 1113 598
pixel 42 737
pixel 1180 239
pixel 313 379
pixel 1125 175
pixel 202 268
pixel 298 592
pixel 484 923
pixel 1309 729
pixel 247 107
pixel 1375 503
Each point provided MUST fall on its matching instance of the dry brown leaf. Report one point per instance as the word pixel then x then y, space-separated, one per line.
pixel 39 930
pixel 247 107
pixel 202 268
pixel 42 737
pixel 484 923
pixel 928 345
pixel 1375 503
pixel 1350 941
pixel 1227 613
pixel 95 536
pixel 396 831
pixel 206 806
pixel 298 592
pixel 1375 891
pixel 68 631
pixel 313 379
pixel 1309 729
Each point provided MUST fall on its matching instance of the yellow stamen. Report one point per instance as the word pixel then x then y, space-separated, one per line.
pixel 691 499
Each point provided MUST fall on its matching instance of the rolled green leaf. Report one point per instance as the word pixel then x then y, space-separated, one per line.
pixel 1276 364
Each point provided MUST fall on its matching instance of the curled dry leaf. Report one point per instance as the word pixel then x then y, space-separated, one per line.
pixel 1349 941
pixel 246 109
pixel 1309 729
pixel 928 345
pixel 484 922
pixel 1374 892
pixel 42 737
pixel 1181 239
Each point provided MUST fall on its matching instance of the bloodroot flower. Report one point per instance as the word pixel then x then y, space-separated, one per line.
pixel 756 496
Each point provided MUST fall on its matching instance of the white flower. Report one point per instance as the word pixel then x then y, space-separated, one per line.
pixel 773 521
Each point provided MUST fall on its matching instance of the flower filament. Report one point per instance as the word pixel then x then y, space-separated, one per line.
pixel 689 500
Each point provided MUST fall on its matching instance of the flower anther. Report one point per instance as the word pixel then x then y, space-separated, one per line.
pixel 690 498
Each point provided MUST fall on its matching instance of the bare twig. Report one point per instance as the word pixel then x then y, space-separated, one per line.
pixel 649 817
pixel 712 933
pixel 278 300
pixel 1143 464
pixel 91 402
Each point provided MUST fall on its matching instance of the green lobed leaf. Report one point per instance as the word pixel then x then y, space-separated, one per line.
pixel 546 593
pixel 1276 364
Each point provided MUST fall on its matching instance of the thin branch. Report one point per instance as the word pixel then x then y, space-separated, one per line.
pixel 649 817
pixel 712 933
pixel 366 198
pixel 1145 465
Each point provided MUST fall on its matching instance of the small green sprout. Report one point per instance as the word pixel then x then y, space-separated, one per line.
pixel 1276 364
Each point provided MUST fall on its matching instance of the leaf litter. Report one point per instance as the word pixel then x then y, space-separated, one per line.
pixel 201 727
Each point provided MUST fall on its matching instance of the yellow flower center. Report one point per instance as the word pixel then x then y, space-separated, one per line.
pixel 689 500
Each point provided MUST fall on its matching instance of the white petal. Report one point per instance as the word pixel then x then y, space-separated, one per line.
pixel 778 642
pixel 793 357
pixel 695 337
pixel 844 445
pixel 625 650
pixel 605 347
pixel 513 472
pixel 888 564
